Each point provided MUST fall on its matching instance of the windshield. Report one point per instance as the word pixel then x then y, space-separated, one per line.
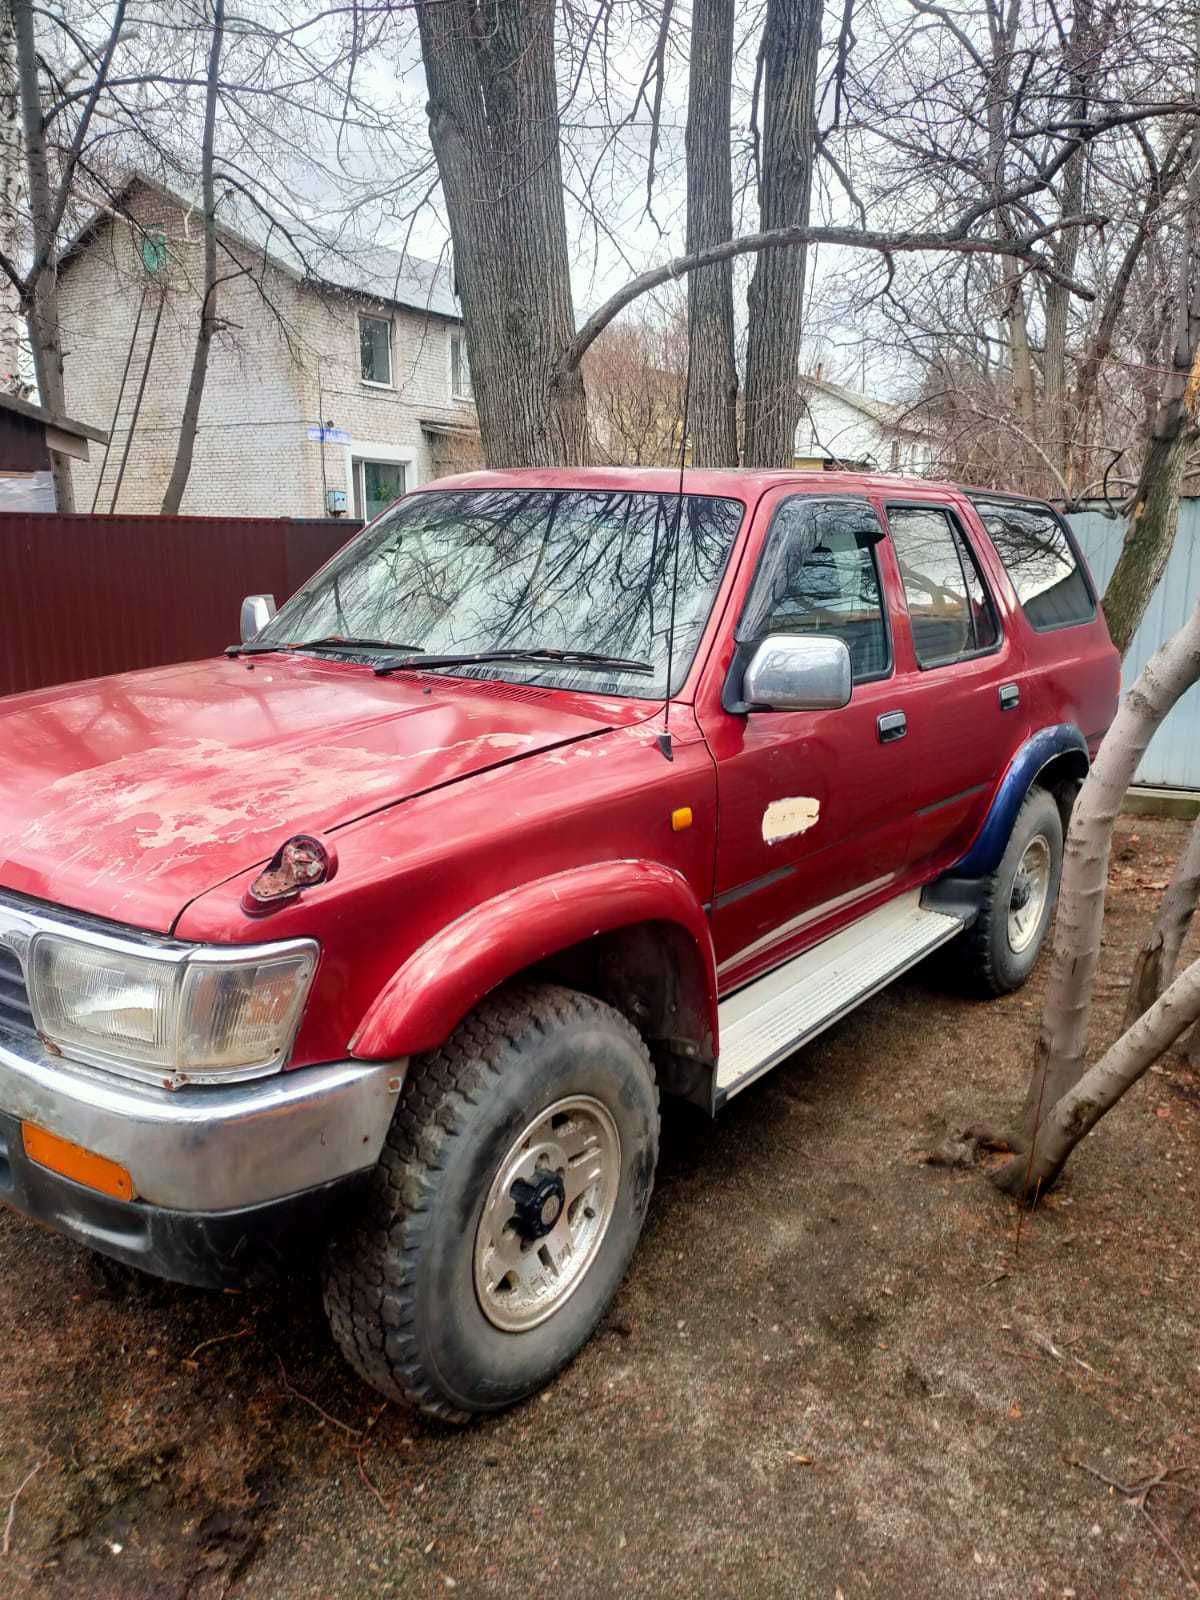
pixel 467 571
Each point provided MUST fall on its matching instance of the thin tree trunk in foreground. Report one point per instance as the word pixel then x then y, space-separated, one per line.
pixel 713 380
pixel 1158 957
pixel 791 38
pixel 1081 1108
pixel 1060 1052
pixel 494 127
pixel 190 419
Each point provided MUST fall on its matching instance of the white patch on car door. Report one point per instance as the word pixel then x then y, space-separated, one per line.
pixel 784 819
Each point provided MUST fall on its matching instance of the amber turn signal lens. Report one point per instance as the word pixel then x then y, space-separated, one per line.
pixel 681 818
pixel 74 1162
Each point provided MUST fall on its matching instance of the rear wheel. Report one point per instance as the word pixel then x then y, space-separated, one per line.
pixel 505 1208
pixel 1018 904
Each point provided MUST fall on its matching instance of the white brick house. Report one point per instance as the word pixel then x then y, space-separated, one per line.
pixel 328 387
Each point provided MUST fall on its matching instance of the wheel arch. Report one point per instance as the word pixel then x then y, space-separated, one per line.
pixel 630 932
pixel 1054 758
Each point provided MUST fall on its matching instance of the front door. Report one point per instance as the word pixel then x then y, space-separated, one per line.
pixel 815 807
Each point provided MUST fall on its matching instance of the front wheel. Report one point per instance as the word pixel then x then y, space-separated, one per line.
pixel 1018 903
pixel 505 1207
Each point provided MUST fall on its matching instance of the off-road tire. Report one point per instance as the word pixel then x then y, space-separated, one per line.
pixel 991 965
pixel 399 1281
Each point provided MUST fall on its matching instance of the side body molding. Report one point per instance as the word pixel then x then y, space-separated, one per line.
pixel 439 983
pixel 1033 757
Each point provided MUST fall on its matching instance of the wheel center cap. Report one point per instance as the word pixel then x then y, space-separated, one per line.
pixel 537 1206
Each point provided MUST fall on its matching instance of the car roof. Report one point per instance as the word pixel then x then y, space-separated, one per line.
pixel 736 482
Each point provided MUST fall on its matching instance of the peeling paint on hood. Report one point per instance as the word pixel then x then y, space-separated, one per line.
pixel 128 796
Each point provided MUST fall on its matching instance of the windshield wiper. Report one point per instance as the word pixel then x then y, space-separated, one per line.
pixel 329 641
pixel 570 658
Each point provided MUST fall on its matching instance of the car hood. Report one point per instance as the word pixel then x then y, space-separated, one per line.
pixel 128 796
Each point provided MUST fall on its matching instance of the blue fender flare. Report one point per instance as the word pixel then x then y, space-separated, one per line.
pixel 1033 756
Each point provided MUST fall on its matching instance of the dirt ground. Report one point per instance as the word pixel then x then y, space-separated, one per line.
pixel 834 1370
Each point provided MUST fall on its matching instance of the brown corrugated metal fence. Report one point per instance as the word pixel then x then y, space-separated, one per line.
pixel 81 596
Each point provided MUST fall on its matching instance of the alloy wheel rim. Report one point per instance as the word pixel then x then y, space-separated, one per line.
pixel 1030 891
pixel 547 1212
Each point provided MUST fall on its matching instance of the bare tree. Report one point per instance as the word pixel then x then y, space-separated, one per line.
pixel 712 394
pixel 791 37
pixel 10 201
pixel 48 198
pixel 182 466
pixel 1065 1098
pixel 493 123
pixel 1154 507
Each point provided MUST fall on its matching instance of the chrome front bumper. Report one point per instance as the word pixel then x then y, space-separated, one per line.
pixel 211 1148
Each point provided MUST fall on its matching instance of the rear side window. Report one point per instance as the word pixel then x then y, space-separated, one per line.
pixel 949 606
pixel 1035 550
pixel 818 575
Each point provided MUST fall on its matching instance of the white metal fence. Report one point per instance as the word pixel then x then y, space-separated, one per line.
pixel 1173 759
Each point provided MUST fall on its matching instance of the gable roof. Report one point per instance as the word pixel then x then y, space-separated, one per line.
pixel 369 271
pixel 887 414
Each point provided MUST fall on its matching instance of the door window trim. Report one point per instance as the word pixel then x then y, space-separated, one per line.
pixel 889 669
pixel 957 522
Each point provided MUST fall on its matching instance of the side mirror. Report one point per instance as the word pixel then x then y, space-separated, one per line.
pixel 798 672
pixel 257 611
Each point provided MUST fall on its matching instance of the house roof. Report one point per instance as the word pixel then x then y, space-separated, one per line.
pixel 26 408
pixel 885 412
pixel 372 271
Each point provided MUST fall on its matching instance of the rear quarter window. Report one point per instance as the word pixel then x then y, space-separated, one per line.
pixel 1043 566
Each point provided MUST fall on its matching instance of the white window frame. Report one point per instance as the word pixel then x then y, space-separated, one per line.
pixel 374 450
pixel 375 383
pixel 459 334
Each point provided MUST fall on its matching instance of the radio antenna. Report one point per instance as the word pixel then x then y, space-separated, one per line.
pixel 663 740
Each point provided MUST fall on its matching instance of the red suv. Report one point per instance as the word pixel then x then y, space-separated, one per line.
pixel 551 791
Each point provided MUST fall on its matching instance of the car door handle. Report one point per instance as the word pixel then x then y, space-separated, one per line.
pixel 1010 696
pixel 891 725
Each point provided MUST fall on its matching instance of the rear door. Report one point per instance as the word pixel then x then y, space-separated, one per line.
pixel 967 701
pixel 815 808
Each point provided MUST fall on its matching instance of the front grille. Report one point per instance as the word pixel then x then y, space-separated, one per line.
pixel 15 1013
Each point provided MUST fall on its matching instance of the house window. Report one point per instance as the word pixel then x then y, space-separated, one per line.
pixel 376 485
pixel 460 372
pixel 375 348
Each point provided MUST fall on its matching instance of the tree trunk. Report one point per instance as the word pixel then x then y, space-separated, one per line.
pixel 1066 245
pixel 10 204
pixel 713 380
pixel 791 39
pixel 1154 514
pixel 41 306
pixel 190 419
pixel 1158 957
pixel 493 123
pixel 1061 1048
pixel 1099 1089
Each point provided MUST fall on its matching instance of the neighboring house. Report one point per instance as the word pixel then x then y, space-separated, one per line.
pixel 331 387
pixel 840 427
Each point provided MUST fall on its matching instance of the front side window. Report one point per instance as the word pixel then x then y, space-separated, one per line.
pixel 460 372
pixel 457 572
pixel 375 349
pixel 819 575
pixel 949 606
pixel 1037 555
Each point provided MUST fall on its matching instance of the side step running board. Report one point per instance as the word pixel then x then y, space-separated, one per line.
pixel 762 1024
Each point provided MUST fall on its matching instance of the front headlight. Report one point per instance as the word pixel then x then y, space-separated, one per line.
pixel 192 1016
